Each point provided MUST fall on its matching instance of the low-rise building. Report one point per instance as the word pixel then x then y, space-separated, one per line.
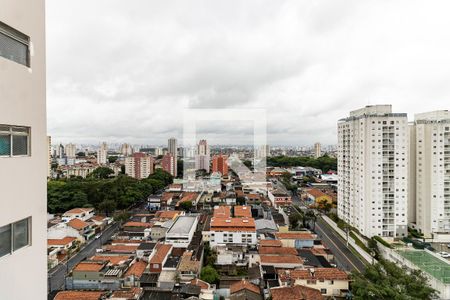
pixel 281 261
pixel 181 232
pixel 245 290
pixel 82 214
pixel 297 239
pixel 331 282
pixel 159 257
pixel 239 231
pixel 295 293
pixel 279 198
pixel 317 196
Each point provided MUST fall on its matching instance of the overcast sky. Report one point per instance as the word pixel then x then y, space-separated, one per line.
pixel 124 71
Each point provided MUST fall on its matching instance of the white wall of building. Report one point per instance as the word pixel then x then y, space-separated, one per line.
pixel 373 153
pixel 24 179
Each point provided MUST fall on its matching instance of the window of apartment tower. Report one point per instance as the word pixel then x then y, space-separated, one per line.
pixel 21 234
pixel 14 45
pixel 14 140
pixel 5 240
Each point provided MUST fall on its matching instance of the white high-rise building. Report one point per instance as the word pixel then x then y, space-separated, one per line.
pixel 102 154
pixel 23 151
pixel 159 151
pixel 432 168
pixel 202 158
pixel 317 150
pixel 126 149
pixel 70 150
pixel 172 149
pixel 373 148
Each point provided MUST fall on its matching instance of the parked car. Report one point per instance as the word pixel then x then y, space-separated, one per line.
pixel 444 254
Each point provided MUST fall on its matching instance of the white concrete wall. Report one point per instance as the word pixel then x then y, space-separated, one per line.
pixel 23 180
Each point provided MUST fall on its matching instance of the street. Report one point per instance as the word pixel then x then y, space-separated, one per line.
pixel 344 257
pixel 56 276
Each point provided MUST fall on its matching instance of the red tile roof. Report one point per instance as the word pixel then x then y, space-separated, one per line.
pixel 280 259
pixel 242 211
pixel 222 212
pixel 244 284
pixel 162 250
pixel 294 236
pixel 60 242
pixel 167 214
pixel 127 294
pixel 78 211
pixel 78 295
pixel 89 266
pixel 202 284
pixel 270 243
pixel 278 250
pixel 136 269
pixel 77 224
pixel 317 193
pixel 232 224
pixel 122 248
pixel 297 292
pixel 138 224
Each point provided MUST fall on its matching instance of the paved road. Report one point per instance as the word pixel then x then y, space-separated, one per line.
pixel 56 275
pixel 343 256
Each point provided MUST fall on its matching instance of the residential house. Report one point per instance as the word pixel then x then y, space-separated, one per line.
pixel 189 267
pixel 331 282
pixel 63 230
pixel 78 295
pixel 85 229
pixel 279 198
pixel 297 239
pixel 132 276
pixel 83 214
pixel 134 293
pixel 295 293
pixel 159 257
pixel 281 261
pixel 244 290
pixel 317 196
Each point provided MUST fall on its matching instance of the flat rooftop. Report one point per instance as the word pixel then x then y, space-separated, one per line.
pixel 182 225
pixel 428 263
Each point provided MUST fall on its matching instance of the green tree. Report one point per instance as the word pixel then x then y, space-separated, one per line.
pixel 186 206
pixel 294 220
pixel 386 280
pixel 209 274
pixel 107 206
pixel 112 159
pixel 101 173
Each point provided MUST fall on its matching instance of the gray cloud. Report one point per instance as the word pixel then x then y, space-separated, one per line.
pixel 125 71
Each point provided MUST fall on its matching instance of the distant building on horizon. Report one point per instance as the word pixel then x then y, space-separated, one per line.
pixel 126 149
pixel 102 154
pixel 70 150
pixel 317 150
pixel 202 158
pixel 173 150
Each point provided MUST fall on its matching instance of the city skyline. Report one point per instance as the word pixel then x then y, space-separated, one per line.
pixel 275 56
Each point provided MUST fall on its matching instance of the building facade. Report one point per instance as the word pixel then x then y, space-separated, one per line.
pixel 139 165
pixel 220 164
pixel 173 150
pixel 432 174
pixel 23 150
pixel 102 154
pixel 169 164
pixel 317 150
pixel 373 152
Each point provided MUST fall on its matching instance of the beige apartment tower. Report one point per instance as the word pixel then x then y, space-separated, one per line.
pixel 373 150
pixel 23 151
pixel 432 174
